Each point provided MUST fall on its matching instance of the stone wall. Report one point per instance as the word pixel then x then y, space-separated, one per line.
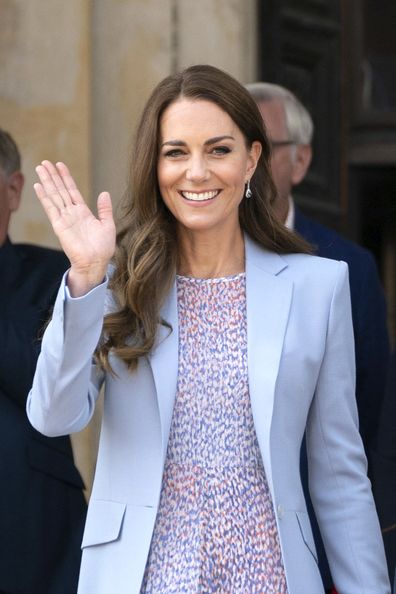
pixel 45 81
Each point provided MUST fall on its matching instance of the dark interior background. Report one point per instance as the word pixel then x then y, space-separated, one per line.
pixel 339 57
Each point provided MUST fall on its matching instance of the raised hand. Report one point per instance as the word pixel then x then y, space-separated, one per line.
pixel 88 241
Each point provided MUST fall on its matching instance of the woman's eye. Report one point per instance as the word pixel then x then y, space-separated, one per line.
pixel 221 150
pixel 174 153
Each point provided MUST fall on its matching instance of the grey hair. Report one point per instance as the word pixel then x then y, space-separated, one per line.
pixel 10 158
pixel 299 123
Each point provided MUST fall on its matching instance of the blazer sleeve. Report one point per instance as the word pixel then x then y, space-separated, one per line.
pixel 339 487
pixel 67 381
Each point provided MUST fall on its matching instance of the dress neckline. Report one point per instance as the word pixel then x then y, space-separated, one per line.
pixel 217 279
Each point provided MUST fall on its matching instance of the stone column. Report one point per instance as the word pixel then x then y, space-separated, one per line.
pixel 218 32
pixel 45 67
pixel 131 52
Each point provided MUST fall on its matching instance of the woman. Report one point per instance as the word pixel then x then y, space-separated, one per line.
pixel 222 342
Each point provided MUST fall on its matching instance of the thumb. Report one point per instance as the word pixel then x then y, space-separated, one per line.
pixel 105 209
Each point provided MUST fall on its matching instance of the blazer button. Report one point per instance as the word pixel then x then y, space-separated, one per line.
pixel 281 512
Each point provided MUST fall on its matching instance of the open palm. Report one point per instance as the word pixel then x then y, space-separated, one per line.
pixel 87 241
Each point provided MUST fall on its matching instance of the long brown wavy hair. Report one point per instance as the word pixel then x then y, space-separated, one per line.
pixel 146 257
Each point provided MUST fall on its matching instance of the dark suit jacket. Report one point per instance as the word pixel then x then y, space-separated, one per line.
pixel 42 506
pixel 371 341
pixel 384 469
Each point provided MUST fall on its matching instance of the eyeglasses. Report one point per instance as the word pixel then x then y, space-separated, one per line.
pixel 278 143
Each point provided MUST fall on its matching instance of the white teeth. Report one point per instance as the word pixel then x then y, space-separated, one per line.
pixel 201 196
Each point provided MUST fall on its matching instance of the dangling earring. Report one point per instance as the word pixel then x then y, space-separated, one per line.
pixel 248 191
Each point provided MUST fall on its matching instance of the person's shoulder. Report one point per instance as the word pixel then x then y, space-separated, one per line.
pixel 40 253
pixel 40 258
pixel 300 267
pixel 329 243
pixel 308 264
pixel 314 277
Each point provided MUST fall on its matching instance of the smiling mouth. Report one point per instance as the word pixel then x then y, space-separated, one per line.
pixel 200 196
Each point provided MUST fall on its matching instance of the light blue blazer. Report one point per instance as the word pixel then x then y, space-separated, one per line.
pixel 301 376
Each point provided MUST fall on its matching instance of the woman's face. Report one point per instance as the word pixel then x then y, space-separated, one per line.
pixel 203 165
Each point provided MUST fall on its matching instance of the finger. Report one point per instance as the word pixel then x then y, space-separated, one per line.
pixel 49 187
pixel 51 209
pixel 69 183
pixel 58 182
pixel 105 208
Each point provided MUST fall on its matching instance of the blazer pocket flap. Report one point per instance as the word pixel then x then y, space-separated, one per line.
pixel 104 522
pixel 306 533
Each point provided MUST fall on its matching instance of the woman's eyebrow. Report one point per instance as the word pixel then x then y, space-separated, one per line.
pixel 218 139
pixel 174 143
pixel 206 143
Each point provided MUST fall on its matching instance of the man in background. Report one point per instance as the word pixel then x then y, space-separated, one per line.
pixel 42 505
pixel 384 470
pixel 289 128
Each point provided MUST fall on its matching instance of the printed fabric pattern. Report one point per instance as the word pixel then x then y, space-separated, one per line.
pixel 215 529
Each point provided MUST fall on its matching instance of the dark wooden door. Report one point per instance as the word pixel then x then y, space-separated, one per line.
pixel 370 65
pixel 300 48
pixel 339 58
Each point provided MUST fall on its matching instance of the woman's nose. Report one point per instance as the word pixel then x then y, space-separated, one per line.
pixel 197 169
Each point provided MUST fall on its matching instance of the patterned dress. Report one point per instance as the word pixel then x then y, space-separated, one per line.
pixel 215 529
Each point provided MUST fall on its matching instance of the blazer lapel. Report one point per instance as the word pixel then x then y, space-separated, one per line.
pixel 268 299
pixel 164 364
